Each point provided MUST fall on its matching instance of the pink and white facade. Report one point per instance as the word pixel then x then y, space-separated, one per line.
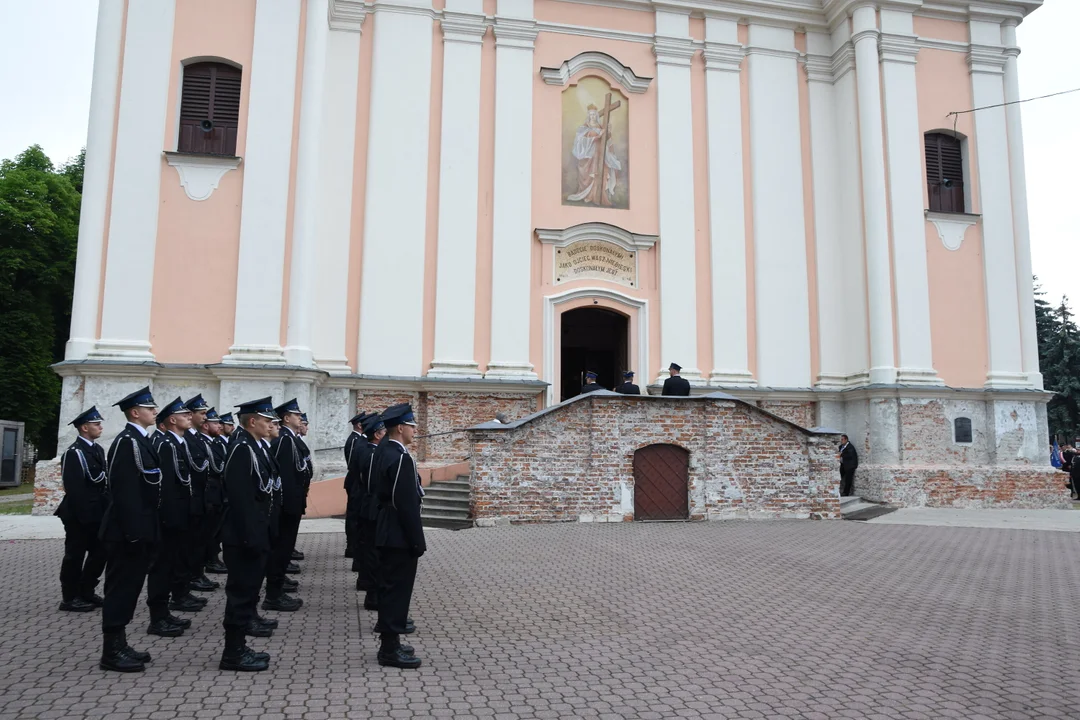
pixel 392 222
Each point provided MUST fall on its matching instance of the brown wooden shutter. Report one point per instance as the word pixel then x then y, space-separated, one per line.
pixel 209 109
pixel 944 173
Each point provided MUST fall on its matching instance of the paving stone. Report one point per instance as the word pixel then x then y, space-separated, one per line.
pixel 721 619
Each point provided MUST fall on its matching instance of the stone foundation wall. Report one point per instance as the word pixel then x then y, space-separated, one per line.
pixel 48 487
pixel 968 487
pixel 575 461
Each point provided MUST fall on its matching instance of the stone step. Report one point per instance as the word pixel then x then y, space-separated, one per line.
pixel 846 500
pixel 855 507
pixel 459 484
pixel 445 507
pixel 454 496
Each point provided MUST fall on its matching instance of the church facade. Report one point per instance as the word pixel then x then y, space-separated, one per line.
pixel 469 203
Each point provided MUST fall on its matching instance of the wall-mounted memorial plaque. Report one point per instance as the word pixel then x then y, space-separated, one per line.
pixel 595 260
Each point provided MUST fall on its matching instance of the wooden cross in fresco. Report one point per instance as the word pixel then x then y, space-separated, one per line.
pixel 599 194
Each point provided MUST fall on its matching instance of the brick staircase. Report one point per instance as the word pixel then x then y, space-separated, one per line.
pixel 446 504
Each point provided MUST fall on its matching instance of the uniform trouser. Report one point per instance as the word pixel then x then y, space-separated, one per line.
pixel 168 574
pixel 246 570
pixel 125 571
pixel 195 550
pixel 212 534
pixel 281 553
pixel 84 560
pixel 847 482
pixel 369 559
pixel 352 524
pixel 397 573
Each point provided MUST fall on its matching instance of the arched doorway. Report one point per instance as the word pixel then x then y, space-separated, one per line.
pixel 592 338
pixel 661 483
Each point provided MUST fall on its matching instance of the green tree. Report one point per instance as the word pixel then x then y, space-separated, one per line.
pixel 1059 361
pixel 39 226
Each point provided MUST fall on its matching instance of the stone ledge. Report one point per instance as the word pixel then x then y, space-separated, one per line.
pixel 967 487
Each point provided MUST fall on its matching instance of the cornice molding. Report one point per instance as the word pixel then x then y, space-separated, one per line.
pixel 726 57
pixel 951 227
pixel 631 242
pixel 819 68
pixel 201 174
pixel 347 15
pixel 898 48
pixel 515 32
pixel 987 59
pixel 773 52
pixel 462 27
pixel 404 7
pixel 623 74
pixel 676 51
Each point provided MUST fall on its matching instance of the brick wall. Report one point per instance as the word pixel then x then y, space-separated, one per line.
pixel 968 487
pixel 800 413
pixel 48 487
pixel 438 412
pixel 575 462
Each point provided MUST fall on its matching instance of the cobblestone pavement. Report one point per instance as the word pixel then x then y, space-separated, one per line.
pixel 718 620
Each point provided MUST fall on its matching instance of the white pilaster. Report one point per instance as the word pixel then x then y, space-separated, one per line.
pixel 905 153
pixel 267 168
pixel 455 292
pixel 727 222
pixel 515 34
pixel 306 201
pixel 987 62
pixel 1029 342
pixel 129 270
pixel 875 210
pixel 675 161
pixel 827 204
pixel 395 209
pixel 335 188
pixel 782 287
pixel 99 150
pixel 854 361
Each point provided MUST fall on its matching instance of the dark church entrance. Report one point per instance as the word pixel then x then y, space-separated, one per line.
pixel 596 339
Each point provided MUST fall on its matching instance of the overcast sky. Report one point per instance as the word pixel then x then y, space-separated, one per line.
pixel 47 56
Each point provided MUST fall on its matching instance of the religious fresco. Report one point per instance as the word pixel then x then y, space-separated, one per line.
pixel 595 125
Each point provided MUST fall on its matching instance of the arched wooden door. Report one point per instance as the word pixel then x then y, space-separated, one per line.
pixel 661 483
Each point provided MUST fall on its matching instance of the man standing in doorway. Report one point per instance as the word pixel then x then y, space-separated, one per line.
pixel 676 385
pixel 628 387
pixel 590 383
pixel 849 460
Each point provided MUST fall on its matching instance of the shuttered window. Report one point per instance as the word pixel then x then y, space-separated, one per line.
pixel 945 173
pixel 209 109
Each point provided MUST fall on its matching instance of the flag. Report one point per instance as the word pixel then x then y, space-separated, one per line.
pixel 1055 455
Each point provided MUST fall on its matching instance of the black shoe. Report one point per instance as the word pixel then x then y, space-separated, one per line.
pixel 399 658
pixel 244 661
pixel 164 628
pixel 297 555
pixel 77 605
pixel 293 569
pixel 205 579
pixel 197 598
pixel 114 656
pixel 283 603
pixel 143 657
pixel 179 622
pixel 268 622
pixel 94 599
pixel 188 603
pixel 290 585
pixel 202 584
pixel 216 567
pixel 255 629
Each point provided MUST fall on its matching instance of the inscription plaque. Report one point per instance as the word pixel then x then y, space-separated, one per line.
pixel 595 260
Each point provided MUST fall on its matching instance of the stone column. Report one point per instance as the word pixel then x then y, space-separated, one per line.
pixel 1029 341
pixel 511 257
pixel 335 193
pixel 675 160
pixel 395 210
pixel 905 155
pixel 727 222
pixel 99 157
pixel 459 169
pixel 782 287
pixel 875 209
pixel 267 167
pixel 987 62
pixel 306 210
pixel 129 268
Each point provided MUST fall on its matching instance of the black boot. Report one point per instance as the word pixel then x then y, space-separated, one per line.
pixel 290 585
pixel 272 624
pixel 76 604
pixel 238 656
pixel 393 654
pixel 179 622
pixel 292 568
pixel 257 629
pixel 163 628
pixel 93 598
pixel 113 656
pixel 187 603
pixel 216 567
pixel 282 603
pixel 203 584
pixel 143 657
pixel 297 555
